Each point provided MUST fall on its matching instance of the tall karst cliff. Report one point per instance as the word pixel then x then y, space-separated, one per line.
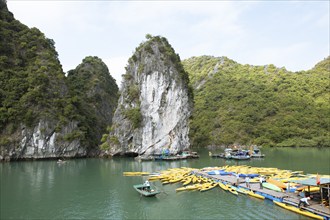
pixel 97 91
pixel 40 115
pixel 155 103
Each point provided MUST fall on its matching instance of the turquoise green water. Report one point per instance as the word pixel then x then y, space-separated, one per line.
pixel 96 189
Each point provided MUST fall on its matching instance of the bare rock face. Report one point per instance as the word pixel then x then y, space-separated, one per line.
pixel 43 141
pixel 155 103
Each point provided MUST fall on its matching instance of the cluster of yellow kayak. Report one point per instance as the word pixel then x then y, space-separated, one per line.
pixel 192 181
pixel 275 173
pixel 280 178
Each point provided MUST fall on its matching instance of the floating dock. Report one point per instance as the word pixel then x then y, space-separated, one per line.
pixel 227 178
pixel 284 197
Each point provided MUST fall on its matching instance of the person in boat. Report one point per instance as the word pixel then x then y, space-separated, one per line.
pixel 304 201
pixel 146 185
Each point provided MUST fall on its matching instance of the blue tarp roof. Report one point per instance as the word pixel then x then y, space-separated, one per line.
pixel 312 181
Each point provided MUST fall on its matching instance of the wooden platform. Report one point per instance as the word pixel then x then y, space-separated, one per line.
pixel 285 197
pixel 313 207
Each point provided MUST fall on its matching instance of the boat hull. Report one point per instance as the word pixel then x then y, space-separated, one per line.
pixel 250 193
pixel 240 157
pixel 147 193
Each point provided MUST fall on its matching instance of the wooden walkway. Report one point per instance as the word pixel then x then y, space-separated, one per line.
pixel 285 197
pixel 313 207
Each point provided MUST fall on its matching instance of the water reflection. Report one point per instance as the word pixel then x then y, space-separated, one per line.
pixel 97 189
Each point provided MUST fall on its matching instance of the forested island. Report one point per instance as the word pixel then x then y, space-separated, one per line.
pixel 46 113
pixel 258 105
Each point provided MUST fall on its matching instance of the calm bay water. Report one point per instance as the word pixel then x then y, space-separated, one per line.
pixel 96 189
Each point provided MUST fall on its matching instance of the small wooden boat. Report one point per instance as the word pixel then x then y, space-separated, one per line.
pixel 193 155
pixel 61 161
pixel 256 153
pixel 221 155
pixel 299 211
pixel 141 188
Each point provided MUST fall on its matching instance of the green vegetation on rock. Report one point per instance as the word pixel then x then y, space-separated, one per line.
pixel 261 105
pixel 32 83
pixel 91 83
pixel 34 88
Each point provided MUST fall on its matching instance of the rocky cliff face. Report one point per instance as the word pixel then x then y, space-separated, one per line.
pixel 42 141
pixel 155 103
pixel 42 113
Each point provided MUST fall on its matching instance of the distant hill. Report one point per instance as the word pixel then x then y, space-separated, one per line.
pixel 263 105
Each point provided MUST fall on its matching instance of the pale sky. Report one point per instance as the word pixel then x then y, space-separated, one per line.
pixel 290 34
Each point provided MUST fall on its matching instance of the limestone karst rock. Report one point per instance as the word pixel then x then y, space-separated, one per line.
pixel 43 114
pixel 155 104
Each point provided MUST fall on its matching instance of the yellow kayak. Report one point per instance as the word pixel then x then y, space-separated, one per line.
pixel 175 179
pixel 194 179
pixel 196 186
pixel 135 173
pixel 297 210
pixel 187 181
pixel 251 193
pixel 240 190
pixel 276 183
pixel 232 190
pixel 207 186
pixel 190 187
pixel 311 189
pixel 245 191
pixel 223 186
